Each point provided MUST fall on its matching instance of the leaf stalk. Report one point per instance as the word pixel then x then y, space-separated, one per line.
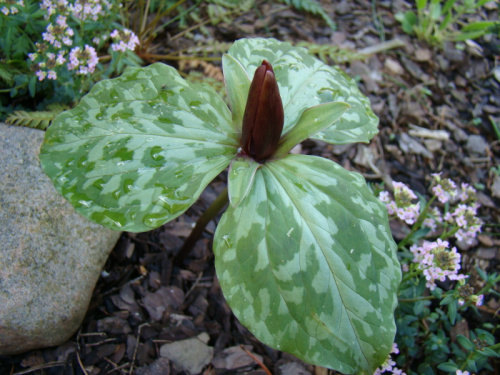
pixel 217 205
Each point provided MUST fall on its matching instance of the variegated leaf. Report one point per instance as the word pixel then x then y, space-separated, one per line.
pixel 304 82
pixel 312 121
pixel 139 149
pixel 311 267
pixel 240 178
pixel 237 86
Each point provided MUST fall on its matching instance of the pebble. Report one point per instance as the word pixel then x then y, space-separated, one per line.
pixel 476 144
pixel 190 355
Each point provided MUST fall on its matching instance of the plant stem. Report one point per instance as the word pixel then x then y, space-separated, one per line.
pixel 416 299
pixel 210 213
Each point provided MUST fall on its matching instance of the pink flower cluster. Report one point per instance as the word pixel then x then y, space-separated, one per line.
pixel 124 40
pixel 465 218
pixel 461 205
pixel 89 9
pixel 81 9
pixel 83 61
pixel 445 188
pixel 46 69
pixel 464 215
pixel 54 52
pixel 11 6
pixel 59 34
pixel 437 261
pixel 389 366
pixel 402 205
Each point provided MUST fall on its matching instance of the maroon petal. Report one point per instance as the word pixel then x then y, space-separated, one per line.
pixel 263 118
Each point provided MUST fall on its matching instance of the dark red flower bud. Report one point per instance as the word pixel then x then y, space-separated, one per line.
pixel 263 118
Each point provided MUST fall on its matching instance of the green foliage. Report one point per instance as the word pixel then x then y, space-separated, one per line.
pixel 304 253
pixel 311 6
pixel 226 10
pixel 437 21
pixel 424 333
pixel 37 119
pixel 50 54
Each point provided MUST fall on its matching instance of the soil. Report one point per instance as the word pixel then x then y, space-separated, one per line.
pixel 143 300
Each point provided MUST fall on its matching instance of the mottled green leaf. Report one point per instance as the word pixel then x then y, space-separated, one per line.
pixel 240 178
pixel 305 82
pixel 312 121
pixel 311 267
pixel 139 149
pixel 237 87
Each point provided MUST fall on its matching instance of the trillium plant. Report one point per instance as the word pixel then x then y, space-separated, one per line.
pixel 303 253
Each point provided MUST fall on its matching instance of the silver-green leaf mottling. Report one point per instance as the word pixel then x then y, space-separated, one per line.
pixel 311 268
pixel 304 82
pixel 139 149
pixel 240 179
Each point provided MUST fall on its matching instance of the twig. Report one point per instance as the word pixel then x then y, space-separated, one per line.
pixel 77 351
pixel 111 339
pixel 80 363
pixel 251 355
pixel 194 285
pixel 136 347
pixel 125 365
pixel 40 367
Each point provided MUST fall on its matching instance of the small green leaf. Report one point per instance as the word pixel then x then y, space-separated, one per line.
pixel 435 9
pixel 305 82
pixel 237 86
pixel 240 179
pixel 466 343
pixel 408 21
pixel 450 367
pixel 421 4
pixel 487 352
pixel 311 267
pixel 462 36
pixel 479 26
pixel 312 121
pixel 447 7
pixel 139 149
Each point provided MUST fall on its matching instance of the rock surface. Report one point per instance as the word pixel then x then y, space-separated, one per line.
pixel 189 355
pixel 51 257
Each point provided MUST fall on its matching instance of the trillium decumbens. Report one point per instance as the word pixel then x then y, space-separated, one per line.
pixel 303 253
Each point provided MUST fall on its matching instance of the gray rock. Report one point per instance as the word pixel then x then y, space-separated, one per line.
pixel 476 145
pixel 234 358
pixel 293 368
pixel 189 355
pixel 495 188
pixel 51 256
pixel 159 367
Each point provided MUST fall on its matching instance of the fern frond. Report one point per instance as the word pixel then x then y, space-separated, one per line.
pixel 209 48
pixel 225 10
pixel 36 119
pixel 328 52
pixel 311 6
pixel 6 74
